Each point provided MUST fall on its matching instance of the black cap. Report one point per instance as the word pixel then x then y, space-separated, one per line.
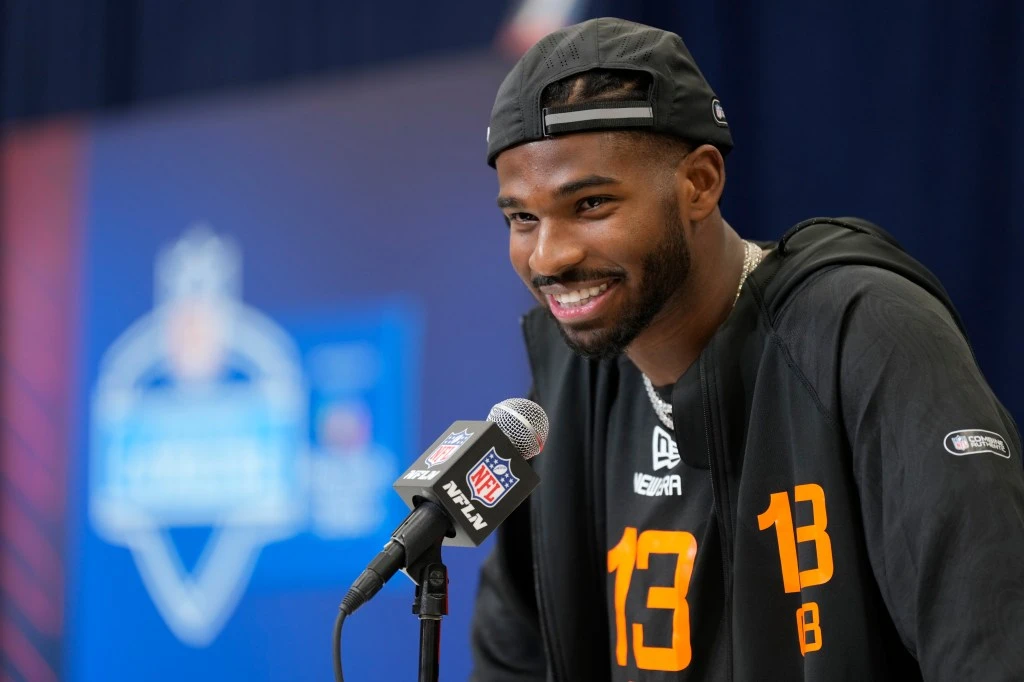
pixel 680 101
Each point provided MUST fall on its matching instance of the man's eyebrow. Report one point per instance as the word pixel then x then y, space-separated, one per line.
pixel 565 190
pixel 583 183
pixel 509 202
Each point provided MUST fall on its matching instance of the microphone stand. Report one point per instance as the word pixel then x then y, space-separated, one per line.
pixel 431 603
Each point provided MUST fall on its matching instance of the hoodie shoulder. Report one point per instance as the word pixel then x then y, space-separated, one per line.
pixel 816 246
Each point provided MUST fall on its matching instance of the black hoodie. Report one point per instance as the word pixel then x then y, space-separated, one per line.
pixel 843 412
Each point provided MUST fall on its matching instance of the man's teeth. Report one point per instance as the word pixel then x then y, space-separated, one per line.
pixel 578 297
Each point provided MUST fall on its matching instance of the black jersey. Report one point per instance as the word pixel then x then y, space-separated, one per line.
pixel 867 495
pixel 664 578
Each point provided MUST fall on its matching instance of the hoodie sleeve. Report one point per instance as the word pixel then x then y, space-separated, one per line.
pixel 938 464
pixel 506 639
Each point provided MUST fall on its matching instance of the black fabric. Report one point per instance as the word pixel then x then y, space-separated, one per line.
pixel 680 96
pixel 831 387
pixel 572 392
pixel 506 638
pixel 583 106
pixel 671 497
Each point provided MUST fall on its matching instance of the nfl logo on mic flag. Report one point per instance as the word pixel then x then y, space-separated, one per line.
pixel 481 478
pixel 491 479
pixel 447 448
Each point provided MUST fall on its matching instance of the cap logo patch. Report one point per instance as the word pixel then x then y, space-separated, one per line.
pixel 975 441
pixel 718 111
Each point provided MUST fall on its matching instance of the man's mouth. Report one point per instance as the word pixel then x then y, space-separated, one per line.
pixel 579 304
pixel 579 297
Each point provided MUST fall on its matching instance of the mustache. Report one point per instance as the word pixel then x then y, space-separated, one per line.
pixel 575 276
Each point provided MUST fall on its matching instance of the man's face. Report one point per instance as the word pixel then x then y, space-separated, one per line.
pixel 595 233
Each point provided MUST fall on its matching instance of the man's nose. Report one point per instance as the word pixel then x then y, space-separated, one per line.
pixel 557 250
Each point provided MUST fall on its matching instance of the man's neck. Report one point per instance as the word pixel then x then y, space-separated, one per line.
pixel 676 337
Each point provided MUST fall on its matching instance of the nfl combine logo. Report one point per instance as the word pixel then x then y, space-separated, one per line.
pixel 447 448
pixel 491 479
pixel 960 443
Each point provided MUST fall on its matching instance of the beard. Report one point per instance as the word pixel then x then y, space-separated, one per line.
pixel 664 271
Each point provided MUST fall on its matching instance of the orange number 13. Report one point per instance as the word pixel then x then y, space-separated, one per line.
pixel 635 551
pixel 780 515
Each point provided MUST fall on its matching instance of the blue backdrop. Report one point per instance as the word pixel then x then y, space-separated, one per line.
pixel 373 292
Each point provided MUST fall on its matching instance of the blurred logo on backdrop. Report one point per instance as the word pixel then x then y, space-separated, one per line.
pixel 209 418
pixel 531 20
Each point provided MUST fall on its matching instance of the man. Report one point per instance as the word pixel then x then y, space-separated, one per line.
pixel 767 462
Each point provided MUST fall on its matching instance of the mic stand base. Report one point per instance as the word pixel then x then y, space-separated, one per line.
pixel 431 578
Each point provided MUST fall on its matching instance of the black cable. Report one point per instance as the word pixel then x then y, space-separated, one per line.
pixel 425 525
pixel 336 647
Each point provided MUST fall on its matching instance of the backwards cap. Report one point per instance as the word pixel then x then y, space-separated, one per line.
pixel 680 102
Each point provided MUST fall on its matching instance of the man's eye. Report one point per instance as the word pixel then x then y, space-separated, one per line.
pixel 592 202
pixel 521 218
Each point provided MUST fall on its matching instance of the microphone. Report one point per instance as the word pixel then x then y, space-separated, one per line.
pixel 465 485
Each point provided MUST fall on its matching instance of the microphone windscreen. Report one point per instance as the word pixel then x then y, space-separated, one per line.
pixel 523 422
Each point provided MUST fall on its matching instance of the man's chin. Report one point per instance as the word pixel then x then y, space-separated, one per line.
pixel 594 343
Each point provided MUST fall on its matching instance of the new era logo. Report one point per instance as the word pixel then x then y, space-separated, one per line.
pixel 664 450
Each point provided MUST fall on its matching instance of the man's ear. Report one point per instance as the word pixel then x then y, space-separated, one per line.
pixel 700 178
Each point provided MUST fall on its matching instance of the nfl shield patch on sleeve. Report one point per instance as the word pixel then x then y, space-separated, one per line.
pixel 975 441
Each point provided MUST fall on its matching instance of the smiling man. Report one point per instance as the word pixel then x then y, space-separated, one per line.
pixel 766 462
